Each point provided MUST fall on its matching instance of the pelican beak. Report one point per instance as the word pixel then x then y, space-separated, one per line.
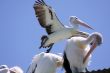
pixel 78 21
pixel 94 45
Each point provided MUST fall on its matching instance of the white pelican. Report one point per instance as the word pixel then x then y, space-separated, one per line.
pixel 55 29
pixel 15 69
pixel 45 63
pixel 78 50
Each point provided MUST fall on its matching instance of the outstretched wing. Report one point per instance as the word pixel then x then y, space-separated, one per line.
pixel 47 17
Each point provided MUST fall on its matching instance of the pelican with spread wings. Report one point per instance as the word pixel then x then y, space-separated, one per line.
pixel 55 29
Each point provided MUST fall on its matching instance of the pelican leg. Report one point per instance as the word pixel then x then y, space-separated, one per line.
pixel 44 38
pixel 50 47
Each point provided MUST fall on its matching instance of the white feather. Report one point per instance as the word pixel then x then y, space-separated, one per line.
pixel 75 54
pixel 46 63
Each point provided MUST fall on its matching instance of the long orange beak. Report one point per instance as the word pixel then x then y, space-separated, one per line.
pixel 78 21
pixel 90 51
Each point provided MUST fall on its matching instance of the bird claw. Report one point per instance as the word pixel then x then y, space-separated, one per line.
pixel 44 39
pixel 50 47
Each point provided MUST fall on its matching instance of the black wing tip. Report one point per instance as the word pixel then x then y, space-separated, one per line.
pixel 40 2
pixel 66 64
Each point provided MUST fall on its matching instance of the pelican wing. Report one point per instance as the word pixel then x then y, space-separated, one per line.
pixel 47 17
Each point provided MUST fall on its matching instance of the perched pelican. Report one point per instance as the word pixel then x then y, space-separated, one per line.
pixel 45 63
pixel 55 29
pixel 15 69
pixel 78 50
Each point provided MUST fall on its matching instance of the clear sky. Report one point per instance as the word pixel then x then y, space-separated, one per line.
pixel 20 31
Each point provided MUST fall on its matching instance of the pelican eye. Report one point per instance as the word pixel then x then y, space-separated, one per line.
pixel 76 18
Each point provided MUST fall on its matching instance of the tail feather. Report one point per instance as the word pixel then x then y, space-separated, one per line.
pixel 66 64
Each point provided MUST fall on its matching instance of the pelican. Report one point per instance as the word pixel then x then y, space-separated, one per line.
pixel 45 63
pixel 77 53
pixel 55 29
pixel 15 69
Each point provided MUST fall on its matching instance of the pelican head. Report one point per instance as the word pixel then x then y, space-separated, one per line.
pixel 98 38
pixel 72 19
pixel 96 41
pixel 3 66
pixel 75 21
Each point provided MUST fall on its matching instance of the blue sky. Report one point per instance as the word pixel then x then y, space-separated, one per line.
pixel 20 31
